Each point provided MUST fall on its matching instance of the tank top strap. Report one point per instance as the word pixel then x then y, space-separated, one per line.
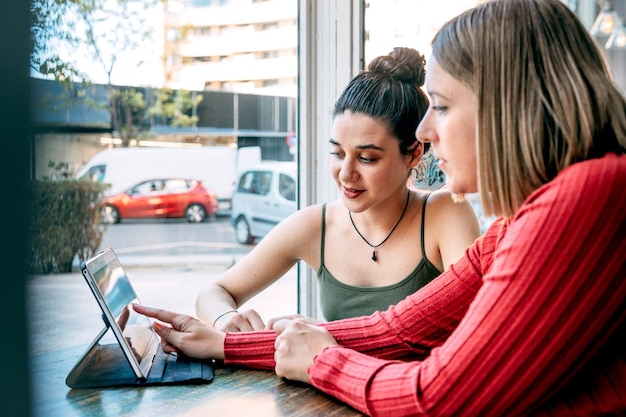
pixel 322 239
pixel 422 227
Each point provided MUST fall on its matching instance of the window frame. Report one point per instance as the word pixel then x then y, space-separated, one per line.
pixel 331 52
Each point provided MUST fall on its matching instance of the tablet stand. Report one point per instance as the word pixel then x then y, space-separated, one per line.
pixel 105 365
pixel 102 365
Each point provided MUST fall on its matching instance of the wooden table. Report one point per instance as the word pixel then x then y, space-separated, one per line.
pixel 64 318
pixel 233 393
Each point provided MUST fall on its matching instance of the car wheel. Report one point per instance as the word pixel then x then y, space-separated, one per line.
pixel 195 213
pixel 242 231
pixel 110 214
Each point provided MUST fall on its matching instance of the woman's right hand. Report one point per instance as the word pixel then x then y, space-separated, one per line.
pixel 296 346
pixel 185 334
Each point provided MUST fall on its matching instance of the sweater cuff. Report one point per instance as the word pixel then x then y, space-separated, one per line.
pixel 250 349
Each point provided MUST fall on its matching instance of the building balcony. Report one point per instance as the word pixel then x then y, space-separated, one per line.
pixel 240 43
pixel 255 13
pixel 241 70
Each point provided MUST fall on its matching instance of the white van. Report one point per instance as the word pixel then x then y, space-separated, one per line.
pixel 215 166
pixel 265 195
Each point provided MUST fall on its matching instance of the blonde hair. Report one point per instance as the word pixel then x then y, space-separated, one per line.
pixel 546 99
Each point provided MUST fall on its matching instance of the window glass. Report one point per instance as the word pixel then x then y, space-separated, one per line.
pixel 212 74
pixel 95 173
pixel 176 185
pixel 410 23
pixel 287 187
pixel 211 100
pixel 145 188
pixel 245 183
pixel 255 182
pixel 264 180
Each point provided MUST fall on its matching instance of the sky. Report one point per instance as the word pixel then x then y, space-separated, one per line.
pixel 137 68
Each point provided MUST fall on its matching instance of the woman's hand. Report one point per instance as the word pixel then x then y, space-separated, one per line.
pixel 296 346
pixel 185 334
pixel 272 322
pixel 240 321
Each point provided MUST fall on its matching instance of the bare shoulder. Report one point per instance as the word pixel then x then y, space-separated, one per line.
pixel 450 228
pixel 442 199
pixel 304 221
pixel 440 208
pixel 294 238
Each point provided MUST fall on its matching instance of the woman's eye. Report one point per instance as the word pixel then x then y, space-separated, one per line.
pixel 363 159
pixel 439 109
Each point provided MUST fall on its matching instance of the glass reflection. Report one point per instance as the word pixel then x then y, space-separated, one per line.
pixel 115 288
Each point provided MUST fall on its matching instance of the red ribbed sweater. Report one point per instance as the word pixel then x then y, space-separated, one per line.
pixel 532 321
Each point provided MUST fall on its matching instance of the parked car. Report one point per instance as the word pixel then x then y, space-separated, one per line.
pixel 264 195
pixel 170 197
pixel 215 166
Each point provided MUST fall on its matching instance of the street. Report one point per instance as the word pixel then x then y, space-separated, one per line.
pixel 174 237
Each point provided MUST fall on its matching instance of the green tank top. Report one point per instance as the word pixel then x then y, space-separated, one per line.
pixel 339 300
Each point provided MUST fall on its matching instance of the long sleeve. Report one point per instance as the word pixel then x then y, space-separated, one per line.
pixel 541 335
pixel 251 349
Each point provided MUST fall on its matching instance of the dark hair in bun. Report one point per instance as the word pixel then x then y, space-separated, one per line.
pixel 389 90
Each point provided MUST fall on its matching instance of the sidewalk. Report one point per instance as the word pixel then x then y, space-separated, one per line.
pixel 130 261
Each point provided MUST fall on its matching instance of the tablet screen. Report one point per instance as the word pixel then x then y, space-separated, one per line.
pixel 115 290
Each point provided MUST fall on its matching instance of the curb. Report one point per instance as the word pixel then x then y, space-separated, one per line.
pixel 174 261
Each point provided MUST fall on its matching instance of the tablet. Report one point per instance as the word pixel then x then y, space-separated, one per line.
pixel 115 295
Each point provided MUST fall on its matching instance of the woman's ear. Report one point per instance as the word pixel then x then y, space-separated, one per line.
pixel 415 154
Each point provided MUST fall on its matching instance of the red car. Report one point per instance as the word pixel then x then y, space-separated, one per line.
pixel 172 197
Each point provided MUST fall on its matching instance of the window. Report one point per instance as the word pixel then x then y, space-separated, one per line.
pixel 320 72
pixel 255 182
pixel 176 186
pixel 95 173
pixel 287 187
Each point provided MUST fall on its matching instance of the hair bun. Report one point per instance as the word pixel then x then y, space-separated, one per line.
pixel 405 64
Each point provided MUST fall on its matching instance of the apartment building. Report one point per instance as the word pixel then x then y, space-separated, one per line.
pixel 240 46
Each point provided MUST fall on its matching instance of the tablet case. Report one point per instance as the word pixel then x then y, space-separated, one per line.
pixel 105 365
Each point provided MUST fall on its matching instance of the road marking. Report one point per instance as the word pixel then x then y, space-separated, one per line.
pixel 178 245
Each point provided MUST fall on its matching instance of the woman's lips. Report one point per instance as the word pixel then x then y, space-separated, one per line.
pixel 351 192
pixel 441 163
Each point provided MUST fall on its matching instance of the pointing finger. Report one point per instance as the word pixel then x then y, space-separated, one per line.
pixel 159 314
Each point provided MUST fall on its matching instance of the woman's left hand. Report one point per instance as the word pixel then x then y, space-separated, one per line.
pixel 296 346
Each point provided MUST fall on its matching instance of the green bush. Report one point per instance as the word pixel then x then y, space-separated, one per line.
pixel 65 224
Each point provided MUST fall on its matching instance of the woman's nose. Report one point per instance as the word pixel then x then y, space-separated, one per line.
pixel 423 133
pixel 347 171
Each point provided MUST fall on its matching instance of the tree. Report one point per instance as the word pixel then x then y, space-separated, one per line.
pixel 112 26
pixel 176 108
pixel 127 110
pixel 51 31
pixel 66 32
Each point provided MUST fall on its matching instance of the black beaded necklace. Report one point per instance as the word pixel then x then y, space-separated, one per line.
pixel 385 239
